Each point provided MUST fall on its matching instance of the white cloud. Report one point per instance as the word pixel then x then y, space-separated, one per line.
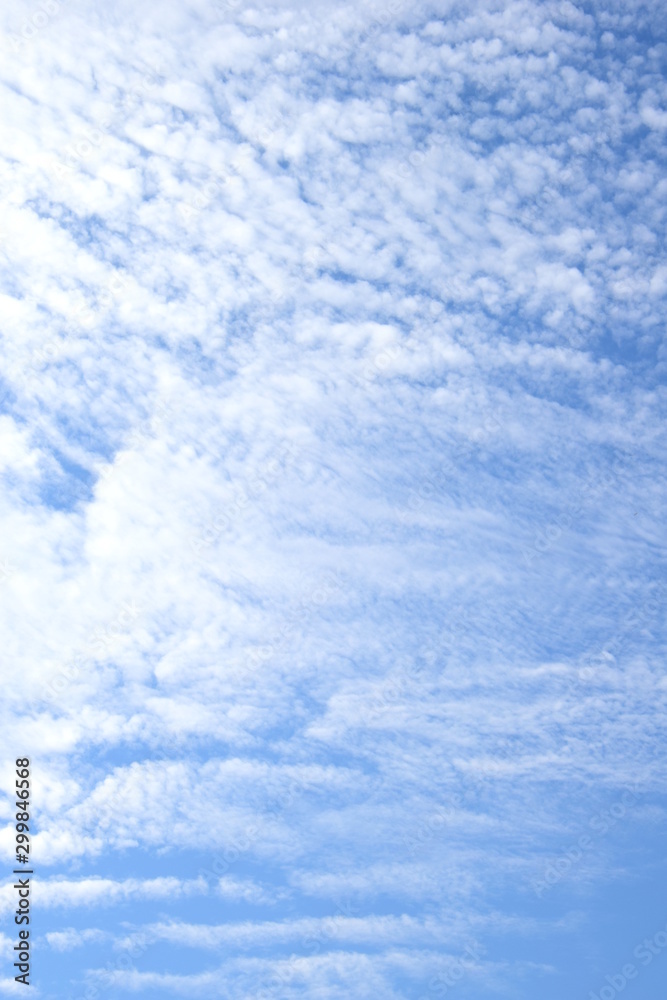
pixel 59 892
pixel 301 293
pixel 71 938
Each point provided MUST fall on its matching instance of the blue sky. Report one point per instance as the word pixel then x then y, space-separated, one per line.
pixel 332 433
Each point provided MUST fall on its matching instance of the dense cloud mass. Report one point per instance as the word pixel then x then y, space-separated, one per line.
pixel 332 448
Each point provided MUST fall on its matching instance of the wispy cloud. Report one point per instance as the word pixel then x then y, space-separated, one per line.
pixel 332 443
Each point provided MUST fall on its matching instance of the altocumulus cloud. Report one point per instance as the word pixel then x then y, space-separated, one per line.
pixel 332 443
